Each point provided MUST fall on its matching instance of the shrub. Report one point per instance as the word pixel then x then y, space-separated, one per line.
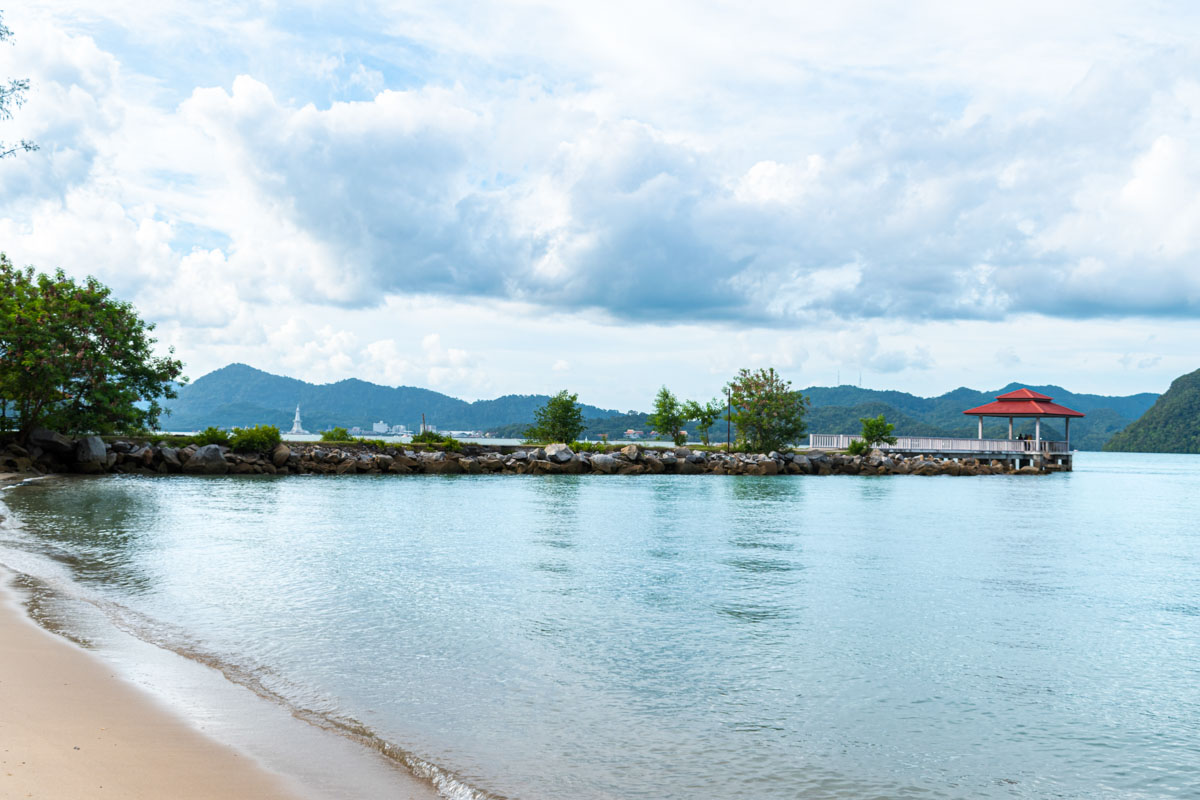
pixel 211 435
pixel 858 448
pixel 258 439
pixel 435 438
pixel 335 435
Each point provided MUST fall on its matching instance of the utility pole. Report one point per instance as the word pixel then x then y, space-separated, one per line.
pixel 728 418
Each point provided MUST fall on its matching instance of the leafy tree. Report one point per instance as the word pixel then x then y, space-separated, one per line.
pixel 767 412
pixel 74 359
pixel 560 420
pixel 877 431
pixel 705 415
pixel 335 435
pixel 12 95
pixel 669 416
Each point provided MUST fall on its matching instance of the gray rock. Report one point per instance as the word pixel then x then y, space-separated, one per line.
pixel 698 458
pixel 682 452
pixel 632 451
pixel 668 459
pixel 51 442
pixel 280 455
pixel 90 454
pixel 604 463
pixel 559 453
pixel 208 460
pixel 170 457
pixel 520 455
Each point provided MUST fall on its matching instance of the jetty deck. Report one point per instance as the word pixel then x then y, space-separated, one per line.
pixel 1051 454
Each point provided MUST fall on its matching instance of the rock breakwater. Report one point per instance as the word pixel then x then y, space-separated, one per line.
pixel 48 452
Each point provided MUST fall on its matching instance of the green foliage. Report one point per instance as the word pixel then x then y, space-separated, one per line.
pixel 441 439
pixel 335 435
pixel 74 359
pixel 211 435
pixel 590 447
pixel 877 431
pixel 258 439
pixel 858 447
pixel 1171 425
pixel 768 414
pixel 705 415
pixel 12 95
pixel 560 420
pixel 669 417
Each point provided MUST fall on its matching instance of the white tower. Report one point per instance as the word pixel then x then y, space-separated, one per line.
pixel 296 426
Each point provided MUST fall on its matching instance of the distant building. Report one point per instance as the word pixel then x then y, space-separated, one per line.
pixel 380 427
pixel 356 431
pixel 297 428
pixel 632 434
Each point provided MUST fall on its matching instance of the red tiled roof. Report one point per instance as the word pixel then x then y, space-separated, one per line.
pixel 1023 403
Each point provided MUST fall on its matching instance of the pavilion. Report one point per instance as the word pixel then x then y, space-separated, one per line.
pixel 1026 403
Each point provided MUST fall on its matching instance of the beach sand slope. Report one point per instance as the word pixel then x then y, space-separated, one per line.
pixel 69 728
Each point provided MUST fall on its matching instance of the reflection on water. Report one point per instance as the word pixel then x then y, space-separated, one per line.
pixel 668 637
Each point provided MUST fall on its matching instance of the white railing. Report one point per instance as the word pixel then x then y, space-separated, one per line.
pixel 942 444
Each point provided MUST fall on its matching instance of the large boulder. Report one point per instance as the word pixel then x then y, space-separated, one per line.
pixel 52 442
pixel 559 453
pixel 281 454
pixel 90 454
pixel 207 460
pixel 604 463
pixel 170 457
pixel 632 451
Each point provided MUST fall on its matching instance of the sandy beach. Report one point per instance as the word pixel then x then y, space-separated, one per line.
pixel 71 729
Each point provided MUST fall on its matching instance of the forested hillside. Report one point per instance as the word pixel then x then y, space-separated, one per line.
pixel 1171 425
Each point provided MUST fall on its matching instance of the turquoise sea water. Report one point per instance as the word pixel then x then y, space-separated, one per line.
pixel 585 637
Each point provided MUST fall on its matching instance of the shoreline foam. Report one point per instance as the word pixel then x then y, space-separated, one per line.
pixel 71 728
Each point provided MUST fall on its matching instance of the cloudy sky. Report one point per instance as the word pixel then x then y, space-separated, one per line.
pixel 522 197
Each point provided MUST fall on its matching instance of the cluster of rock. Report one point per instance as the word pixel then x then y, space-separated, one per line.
pixel 48 452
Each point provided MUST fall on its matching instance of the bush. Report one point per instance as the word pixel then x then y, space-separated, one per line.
pixel 590 447
pixel 335 435
pixel 858 448
pixel 211 435
pixel 258 439
pixel 435 438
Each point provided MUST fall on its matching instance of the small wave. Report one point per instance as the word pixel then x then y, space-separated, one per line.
pixel 45 595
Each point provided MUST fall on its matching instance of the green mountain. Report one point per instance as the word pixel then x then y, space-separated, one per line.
pixel 1171 425
pixel 838 409
pixel 238 395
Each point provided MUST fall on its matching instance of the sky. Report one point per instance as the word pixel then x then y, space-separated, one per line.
pixel 523 197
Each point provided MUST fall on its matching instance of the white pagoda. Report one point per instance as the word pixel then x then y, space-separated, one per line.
pixel 296 426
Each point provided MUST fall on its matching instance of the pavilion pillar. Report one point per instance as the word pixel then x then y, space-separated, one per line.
pixel 1037 431
pixel 1067 423
pixel 980 427
pixel 1010 427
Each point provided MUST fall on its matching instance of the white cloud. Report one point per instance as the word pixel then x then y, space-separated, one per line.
pixel 673 172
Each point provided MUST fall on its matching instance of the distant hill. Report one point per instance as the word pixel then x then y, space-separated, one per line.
pixel 837 410
pixel 1171 425
pixel 238 395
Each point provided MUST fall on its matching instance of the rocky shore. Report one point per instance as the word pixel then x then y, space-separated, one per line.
pixel 49 452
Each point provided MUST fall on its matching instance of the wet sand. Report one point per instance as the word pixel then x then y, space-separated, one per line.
pixel 71 729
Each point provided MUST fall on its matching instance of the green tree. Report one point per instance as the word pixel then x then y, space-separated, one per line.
pixel 12 95
pixel 705 415
pixel 669 416
pixel 767 412
pixel 560 420
pixel 74 359
pixel 875 431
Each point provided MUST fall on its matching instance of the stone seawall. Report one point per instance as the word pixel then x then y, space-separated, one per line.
pixel 49 452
